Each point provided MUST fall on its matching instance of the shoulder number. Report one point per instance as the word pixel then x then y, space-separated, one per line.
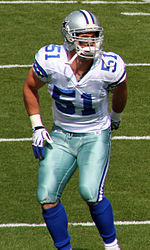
pixel 111 63
pixel 52 51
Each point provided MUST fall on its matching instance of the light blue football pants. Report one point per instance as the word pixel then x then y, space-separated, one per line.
pixel 90 152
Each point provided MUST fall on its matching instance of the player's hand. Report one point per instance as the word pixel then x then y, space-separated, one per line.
pixel 115 124
pixel 40 135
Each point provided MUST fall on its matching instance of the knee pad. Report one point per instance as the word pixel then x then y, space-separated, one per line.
pixel 43 196
pixel 86 193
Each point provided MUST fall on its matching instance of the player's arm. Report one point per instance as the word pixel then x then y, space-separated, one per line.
pixel 30 91
pixel 31 100
pixel 119 99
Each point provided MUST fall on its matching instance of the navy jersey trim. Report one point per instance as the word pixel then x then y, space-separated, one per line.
pixel 117 83
pixel 39 70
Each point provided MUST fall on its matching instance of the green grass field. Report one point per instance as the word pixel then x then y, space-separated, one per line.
pixel 24 29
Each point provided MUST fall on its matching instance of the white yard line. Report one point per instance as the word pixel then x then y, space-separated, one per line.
pixel 14 66
pixel 30 65
pixel 113 2
pixel 131 138
pixel 135 14
pixel 84 224
pixel 137 64
pixel 14 139
pixel 113 138
pixel 72 2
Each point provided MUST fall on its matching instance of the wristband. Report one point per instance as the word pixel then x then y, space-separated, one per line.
pixel 36 120
pixel 115 116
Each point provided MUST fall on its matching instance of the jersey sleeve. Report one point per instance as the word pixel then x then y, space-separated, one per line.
pixel 116 70
pixel 39 65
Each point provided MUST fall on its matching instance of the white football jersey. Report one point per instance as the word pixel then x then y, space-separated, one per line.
pixel 79 106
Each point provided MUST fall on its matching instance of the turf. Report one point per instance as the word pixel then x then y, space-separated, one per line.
pixel 24 29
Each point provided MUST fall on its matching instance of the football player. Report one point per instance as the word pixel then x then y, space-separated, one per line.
pixel 79 75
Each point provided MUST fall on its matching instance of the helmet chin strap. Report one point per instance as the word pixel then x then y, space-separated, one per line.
pixel 72 59
pixel 87 52
pixel 80 52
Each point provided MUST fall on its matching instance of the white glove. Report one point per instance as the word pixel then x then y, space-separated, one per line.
pixel 39 135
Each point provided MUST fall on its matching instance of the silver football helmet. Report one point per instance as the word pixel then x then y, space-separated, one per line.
pixel 82 21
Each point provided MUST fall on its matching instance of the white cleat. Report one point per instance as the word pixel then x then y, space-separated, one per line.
pixel 112 246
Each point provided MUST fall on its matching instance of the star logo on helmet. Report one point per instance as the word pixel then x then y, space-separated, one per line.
pixel 66 25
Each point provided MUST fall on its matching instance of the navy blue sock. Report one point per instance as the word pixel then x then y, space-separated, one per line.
pixel 102 215
pixel 57 224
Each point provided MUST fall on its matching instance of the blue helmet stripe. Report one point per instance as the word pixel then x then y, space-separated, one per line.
pixel 88 16
pixel 87 21
pixel 91 16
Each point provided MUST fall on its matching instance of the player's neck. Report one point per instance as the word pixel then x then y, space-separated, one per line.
pixel 80 65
